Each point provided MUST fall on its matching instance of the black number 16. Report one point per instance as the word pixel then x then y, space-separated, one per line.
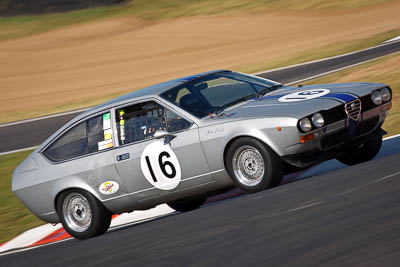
pixel 162 166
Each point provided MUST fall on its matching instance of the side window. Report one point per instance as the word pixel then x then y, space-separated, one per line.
pixel 89 136
pixel 140 121
pixel 72 144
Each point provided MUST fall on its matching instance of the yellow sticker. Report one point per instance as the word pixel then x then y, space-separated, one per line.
pixel 107 134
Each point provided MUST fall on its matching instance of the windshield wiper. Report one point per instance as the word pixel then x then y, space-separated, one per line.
pixel 269 89
pixel 241 99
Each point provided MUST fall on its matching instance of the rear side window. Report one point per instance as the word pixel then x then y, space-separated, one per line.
pixel 72 144
pixel 87 137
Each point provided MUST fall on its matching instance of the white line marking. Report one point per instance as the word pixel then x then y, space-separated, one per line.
pixel 339 69
pixel 17 150
pixel 39 246
pixel 367 184
pixel 385 177
pixel 305 206
pixel 44 117
pixel 322 59
pixel 392 40
pixel 350 190
pixel 391 137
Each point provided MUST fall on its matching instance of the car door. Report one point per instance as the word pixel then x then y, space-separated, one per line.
pixel 84 154
pixel 149 166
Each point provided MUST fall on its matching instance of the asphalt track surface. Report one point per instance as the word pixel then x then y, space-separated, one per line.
pixel 33 133
pixel 348 217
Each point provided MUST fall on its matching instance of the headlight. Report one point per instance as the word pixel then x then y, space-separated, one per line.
pixel 376 97
pixel 385 92
pixel 305 125
pixel 317 120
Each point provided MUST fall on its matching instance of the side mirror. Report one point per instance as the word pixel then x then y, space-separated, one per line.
pixel 168 137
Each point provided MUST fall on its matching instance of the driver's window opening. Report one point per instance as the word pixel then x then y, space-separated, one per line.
pixel 140 121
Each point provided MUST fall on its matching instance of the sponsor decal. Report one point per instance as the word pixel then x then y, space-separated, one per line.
pixel 105 144
pixel 106 121
pixel 304 95
pixel 160 166
pixel 109 187
pixel 107 134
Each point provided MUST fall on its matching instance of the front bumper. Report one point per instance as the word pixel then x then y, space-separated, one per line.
pixel 330 140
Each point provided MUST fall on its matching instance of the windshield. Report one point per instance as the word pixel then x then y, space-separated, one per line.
pixel 215 92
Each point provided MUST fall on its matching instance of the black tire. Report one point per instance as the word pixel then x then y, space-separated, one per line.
pixel 361 153
pixel 188 204
pixel 272 167
pixel 100 216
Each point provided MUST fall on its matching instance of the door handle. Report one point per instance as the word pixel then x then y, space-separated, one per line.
pixel 123 157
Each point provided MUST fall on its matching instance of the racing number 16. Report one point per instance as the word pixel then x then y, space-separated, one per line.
pixel 162 166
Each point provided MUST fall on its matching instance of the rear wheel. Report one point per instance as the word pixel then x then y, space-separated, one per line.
pixel 188 204
pixel 253 166
pixel 361 153
pixel 82 215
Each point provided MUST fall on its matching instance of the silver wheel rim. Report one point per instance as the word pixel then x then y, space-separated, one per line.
pixel 248 165
pixel 77 213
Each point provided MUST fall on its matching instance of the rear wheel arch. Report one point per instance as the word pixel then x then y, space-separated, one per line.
pixel 70 189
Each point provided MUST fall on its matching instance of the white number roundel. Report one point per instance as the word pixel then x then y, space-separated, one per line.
pixel 160 166
pixel 304 95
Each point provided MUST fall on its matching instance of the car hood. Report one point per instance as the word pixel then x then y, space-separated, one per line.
pixel 275 105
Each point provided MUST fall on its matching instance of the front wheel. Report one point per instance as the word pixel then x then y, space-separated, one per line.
pixel 361 153
pixel 82 215
pixel 253 166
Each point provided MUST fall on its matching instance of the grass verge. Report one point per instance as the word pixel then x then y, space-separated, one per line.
pixel 15 218
pixel 385 70
pixel 156 10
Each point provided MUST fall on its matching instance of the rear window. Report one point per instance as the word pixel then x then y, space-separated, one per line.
pixel 87 137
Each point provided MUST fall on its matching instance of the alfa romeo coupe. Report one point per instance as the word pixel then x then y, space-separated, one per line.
pixel 184 140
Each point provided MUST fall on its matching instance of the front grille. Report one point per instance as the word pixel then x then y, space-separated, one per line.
pixel 353 109
pixel 334 114
pixel 367 103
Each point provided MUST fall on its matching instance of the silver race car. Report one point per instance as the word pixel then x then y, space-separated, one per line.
pixel 181 141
